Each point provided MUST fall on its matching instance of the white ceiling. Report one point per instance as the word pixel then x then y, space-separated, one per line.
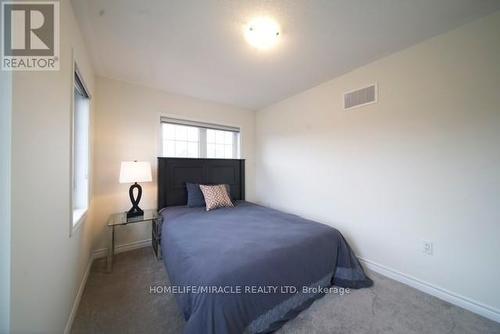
pixel 197 48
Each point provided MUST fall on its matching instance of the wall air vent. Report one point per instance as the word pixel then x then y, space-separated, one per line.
pixel 360 97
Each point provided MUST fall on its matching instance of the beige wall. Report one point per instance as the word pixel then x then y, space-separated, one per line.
pixel 422 164
pixel 128 128
pixel 47 264
pixel 5 154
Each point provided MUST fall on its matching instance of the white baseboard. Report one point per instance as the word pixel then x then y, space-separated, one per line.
pixel 98 253
pixel 451 297
pixel 95 255
pixel 78 297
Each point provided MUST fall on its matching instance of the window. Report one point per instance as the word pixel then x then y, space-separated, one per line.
pixel 80 153
pixel 181 141
pixel 186 139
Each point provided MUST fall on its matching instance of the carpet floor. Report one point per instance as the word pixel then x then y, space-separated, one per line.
pixel 121 302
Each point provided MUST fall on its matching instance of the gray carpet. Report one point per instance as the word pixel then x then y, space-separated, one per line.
pixel 120 302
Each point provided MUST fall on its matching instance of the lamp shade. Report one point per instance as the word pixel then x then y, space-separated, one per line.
pixel 135 171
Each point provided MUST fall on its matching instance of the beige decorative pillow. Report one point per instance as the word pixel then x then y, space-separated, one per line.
pixel 216 196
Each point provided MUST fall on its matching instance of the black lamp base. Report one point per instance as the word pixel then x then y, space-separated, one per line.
pixel 135 211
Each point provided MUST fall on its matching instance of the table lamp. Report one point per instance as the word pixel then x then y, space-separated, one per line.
pixel 133 172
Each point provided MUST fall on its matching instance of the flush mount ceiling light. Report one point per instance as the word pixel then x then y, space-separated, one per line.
pixel 262 33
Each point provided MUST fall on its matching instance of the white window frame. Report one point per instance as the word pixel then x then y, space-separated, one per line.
pixel 76 222
pixel 203 126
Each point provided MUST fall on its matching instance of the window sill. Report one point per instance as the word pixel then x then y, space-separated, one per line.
pixel 78 219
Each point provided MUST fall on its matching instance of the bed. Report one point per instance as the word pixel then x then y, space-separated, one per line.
pixel 246 269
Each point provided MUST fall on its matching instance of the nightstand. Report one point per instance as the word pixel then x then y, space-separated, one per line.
pixel 156 236
pixel 120 219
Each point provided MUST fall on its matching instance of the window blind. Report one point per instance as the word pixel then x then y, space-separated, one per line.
pixel 199 124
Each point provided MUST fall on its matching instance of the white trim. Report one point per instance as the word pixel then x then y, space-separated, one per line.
pixel 202 142
pixel 446 295
pixel 72 226
pixel 236 145
pixel 103 252
pixel 78 297
pixel 202 136
pixel 81 217
pixel 200 120
pixel 99 253
pixel 75 225
pixel 453 298
pixel 198 124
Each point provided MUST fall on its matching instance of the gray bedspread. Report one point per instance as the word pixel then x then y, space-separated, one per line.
pixel 249 269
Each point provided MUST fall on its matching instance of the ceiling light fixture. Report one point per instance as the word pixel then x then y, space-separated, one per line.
pixel 262 33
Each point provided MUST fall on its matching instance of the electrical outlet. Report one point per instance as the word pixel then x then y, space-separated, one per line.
pixel 427 247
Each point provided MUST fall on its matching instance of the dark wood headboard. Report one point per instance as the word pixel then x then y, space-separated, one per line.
pixel 173 173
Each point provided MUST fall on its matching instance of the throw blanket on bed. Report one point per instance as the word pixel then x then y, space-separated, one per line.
pixel 249 269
